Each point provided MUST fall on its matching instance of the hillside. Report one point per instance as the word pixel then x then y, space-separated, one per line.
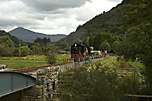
pixel 119 20
pixel 5 37
pixel 7 43
pixel 29 36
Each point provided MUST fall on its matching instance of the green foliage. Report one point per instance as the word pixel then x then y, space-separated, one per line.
pixel 127 49
pixel 148 72
pixel 116 46
pixel 6 46
pixel 87 41
pixel 138 44
pixel 43 41
pixel 105 45
pixel 6 41
pixel 132 83
pixel 24 51
pixel 54 58
pixel 102 81
pixel 11 46
pixel 36 49
pixel 42 49
pixel 103 40
pixel 91 85
pixel 136 63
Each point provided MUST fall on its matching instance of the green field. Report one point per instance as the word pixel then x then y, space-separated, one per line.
pixel 31 61
pixel 23 62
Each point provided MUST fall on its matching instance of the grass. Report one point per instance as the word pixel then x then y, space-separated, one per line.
pixel 31 61
pixel 23 62
pixel 112 61
pixel 62 58
pixel 41 60
pixel 135 63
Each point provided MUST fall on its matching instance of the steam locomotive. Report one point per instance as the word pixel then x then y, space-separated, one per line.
pixel 79 52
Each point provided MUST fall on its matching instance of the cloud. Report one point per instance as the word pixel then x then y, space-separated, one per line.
pixel 115 0
pixel 51 16
pixel 49 5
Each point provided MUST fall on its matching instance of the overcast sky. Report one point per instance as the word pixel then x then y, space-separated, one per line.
pixel 50 16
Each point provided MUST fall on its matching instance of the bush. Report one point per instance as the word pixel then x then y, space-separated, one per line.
pixel 92 85
pixel 103 81
pixel 51 58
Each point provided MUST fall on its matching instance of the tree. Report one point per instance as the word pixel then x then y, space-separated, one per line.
pixel 43 41
pixel 36 49
pixel 24 51
pixel 102 38
pixel 105 45
pixel 6 45
pixel 138 44
pixel 87 41
pixel 116 47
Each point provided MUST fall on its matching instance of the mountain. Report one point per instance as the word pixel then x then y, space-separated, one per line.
pixel 128 14
pixel 29 36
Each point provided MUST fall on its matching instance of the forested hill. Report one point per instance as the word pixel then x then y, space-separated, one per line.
pixel 6 38
pixel 7 43
pixel 120 19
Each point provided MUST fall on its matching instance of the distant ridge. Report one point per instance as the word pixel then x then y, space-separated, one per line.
pixel 29 36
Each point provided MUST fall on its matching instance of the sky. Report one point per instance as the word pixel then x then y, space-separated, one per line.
pixel 51 16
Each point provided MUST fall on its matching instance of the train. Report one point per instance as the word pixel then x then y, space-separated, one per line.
pixel 82 52
pixel 79 52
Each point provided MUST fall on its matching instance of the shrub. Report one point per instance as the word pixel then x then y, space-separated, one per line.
pixel 102 81
pixel 51 58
